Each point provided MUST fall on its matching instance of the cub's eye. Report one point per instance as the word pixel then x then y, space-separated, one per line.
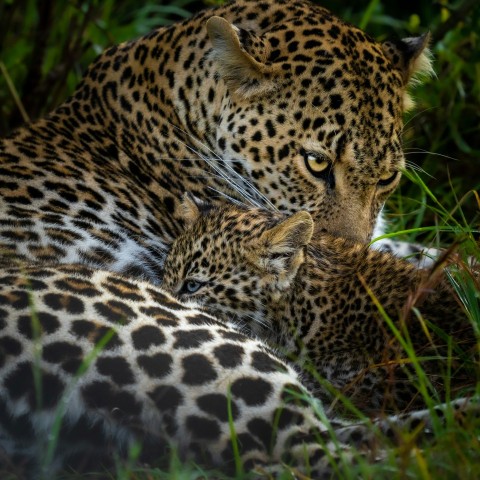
pixel 191 286
pixel 387 179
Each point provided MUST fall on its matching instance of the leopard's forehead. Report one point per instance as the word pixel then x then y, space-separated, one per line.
pixel 334 82
pixel 232 226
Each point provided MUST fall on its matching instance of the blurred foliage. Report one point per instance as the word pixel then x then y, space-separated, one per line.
pixel 45 47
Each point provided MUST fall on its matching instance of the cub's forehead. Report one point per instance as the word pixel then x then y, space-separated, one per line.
pixel 226 228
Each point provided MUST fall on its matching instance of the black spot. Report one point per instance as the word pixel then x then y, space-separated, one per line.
pixel 161 315
pixel 72 365
pixel 231 335
pixel 294 395
pixel 217 405
pixel 58 352
pixel 271 132
pixel 247 443
pixel 257 136
pixel 96 333
pixel 317 456
pixel 265 363
pixel 253 391
pixel 20 382
pixel 166 398
pixel 132 270
pixel 263 430
pixel 52 389
pixel 156 366
pixel 317 123
pixel 10 346
pixel 202 428
pixel 340 118
pixel 191 338
pixel 336 101
pixel 197 370
pixel 199 319
pixel 125 290
pixel 356 437
pixel 284 417
pixel 48 324
pixel 125 104
pixel 117 368
pixel 77 286
pixel 101 394
pixel 115 311
pixel 169 203
pixel 17 299
pixel 165 300
pixel 34 192
pixel 334 31
pixel 67 303
pixel 146 336
pixel 229 355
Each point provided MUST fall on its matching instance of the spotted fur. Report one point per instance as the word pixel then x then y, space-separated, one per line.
pixel 323 302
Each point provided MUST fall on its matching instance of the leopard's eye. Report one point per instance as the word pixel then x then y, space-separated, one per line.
pixel 191 286
pixel 316 164
pixel 388 179
pixel 320 167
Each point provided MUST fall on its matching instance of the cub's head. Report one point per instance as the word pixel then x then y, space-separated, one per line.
pixel 236 260
pixel 313 111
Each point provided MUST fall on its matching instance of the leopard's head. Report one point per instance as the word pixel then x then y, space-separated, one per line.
pixel 236 261
pixel 313 114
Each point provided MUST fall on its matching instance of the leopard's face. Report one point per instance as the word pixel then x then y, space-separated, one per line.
pixel 218 263
pixel 313 118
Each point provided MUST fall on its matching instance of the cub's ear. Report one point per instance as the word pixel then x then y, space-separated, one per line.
pixel 412 58
pixel 280 249
pixel 240 57
pixel 192 208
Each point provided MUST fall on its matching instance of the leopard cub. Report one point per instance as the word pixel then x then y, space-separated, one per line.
pixel 342 312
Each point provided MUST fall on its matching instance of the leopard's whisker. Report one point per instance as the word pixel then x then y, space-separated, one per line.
pixel 230 169
pixel 413 151
pixel 228 197
pixel 228 180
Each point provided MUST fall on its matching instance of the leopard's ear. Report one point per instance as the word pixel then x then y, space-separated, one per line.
pixel 281 248
pixel 412 57
pixel 192 208
pixel 240 57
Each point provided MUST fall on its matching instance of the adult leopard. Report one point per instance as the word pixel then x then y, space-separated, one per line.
pixel 273 103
